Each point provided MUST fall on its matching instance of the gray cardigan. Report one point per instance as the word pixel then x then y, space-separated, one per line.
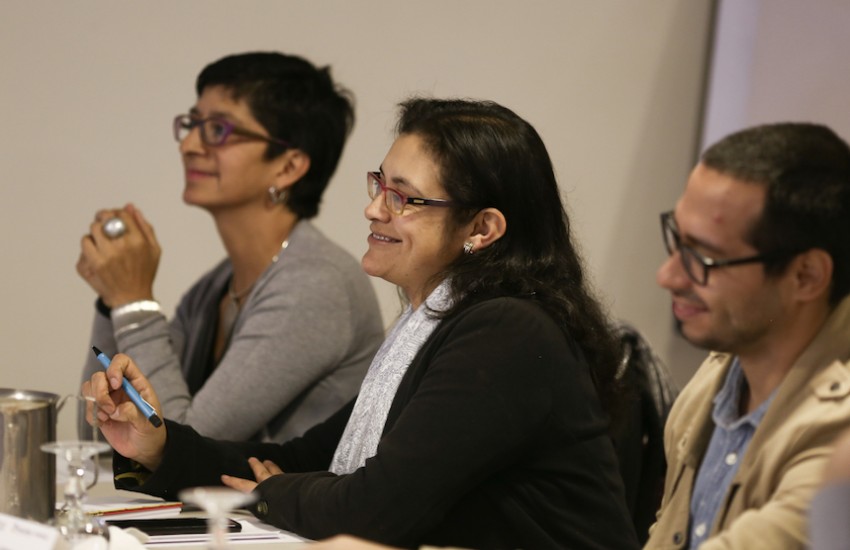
pixel 299 350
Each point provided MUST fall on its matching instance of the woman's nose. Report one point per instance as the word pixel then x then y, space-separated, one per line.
pixel 192 143
pixel 377 208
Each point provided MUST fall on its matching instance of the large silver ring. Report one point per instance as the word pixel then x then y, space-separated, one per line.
pixel 114 228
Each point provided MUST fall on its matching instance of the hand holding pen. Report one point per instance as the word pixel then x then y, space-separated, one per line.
pixel 129 427
pixel 144 406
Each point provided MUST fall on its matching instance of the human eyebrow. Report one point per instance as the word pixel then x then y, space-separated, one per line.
pixel 218 115
pixel 702 245
pixel 400 183
pixel 695 243
pixel 404 184
pixel 396 181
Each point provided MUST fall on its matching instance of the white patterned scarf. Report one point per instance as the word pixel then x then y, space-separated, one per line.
pixel 360 439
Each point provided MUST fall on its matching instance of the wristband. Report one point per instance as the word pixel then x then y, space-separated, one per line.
pixel 133 313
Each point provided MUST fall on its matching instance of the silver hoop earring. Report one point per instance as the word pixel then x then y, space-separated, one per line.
pixel 468 247
pixel 277 196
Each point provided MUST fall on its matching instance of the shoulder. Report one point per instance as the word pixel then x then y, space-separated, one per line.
pixel 515 315
pixel 505 330
pixel 812 404
pixel 510 348
pixel 307 242
pixel 309 250
pixel 507 306
pixel 812 413
pixel 317 275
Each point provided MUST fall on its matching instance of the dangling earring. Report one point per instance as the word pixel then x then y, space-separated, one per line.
pixel 468 247
pixel 277 196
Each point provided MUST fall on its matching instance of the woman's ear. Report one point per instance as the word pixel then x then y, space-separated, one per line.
pixel 291 167
pixel 488 226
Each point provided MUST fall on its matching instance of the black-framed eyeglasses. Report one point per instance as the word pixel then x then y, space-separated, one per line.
pixel 395 200
pixel 697 265
pixel 215 131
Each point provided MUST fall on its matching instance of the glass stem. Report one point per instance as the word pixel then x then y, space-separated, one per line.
pixel 218 530
pixel 74 495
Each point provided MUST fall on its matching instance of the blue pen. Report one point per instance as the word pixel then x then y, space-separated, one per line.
pixel 131 392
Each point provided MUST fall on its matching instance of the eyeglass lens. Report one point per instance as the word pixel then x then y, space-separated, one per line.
pixel 394 201
pixel 695 269
pixel 213 132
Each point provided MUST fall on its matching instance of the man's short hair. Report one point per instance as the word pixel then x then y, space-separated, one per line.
pixel 806 170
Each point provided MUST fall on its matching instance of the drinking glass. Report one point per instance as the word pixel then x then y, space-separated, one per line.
pixel 79 459
pixel 217 502
pixel 72 521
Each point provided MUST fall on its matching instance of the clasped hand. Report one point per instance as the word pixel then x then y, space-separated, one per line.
pixel 123 269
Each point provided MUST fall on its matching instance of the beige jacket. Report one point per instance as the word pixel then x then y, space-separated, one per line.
pixel 766 504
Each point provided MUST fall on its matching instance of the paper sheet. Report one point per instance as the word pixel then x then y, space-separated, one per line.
pixel 122 507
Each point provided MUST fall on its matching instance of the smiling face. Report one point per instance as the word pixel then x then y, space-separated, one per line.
pixel 409 249
pixel 740 308
pixel 231 174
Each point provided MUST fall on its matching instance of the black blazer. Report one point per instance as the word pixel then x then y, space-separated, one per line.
pixel 495 439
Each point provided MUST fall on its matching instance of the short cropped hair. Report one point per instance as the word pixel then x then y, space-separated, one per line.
pixel 295 102
pixel 806 171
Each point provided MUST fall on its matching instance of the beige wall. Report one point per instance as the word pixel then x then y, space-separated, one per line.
pixel 89 88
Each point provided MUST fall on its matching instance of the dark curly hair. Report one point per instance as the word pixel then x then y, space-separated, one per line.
pixel 490 157
pixel 295 102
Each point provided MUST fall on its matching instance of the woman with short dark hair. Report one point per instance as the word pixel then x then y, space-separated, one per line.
pixel 245 356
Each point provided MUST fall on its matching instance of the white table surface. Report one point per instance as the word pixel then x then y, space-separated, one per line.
pixel 105 487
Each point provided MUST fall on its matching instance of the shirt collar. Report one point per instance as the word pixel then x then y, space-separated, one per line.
pixel 726 412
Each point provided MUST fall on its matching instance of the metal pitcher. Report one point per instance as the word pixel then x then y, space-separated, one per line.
pixel 27 475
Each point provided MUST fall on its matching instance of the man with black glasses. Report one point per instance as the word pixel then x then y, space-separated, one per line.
pixel 759 273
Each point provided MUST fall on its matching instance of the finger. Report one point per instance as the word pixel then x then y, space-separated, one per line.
pixel 272 468
pixel 130 229
pixel 99 237
pixel 238 483
pixel 347 542
pixel 92 257
pixel 86 391
pixel 86 240
pixel 96 231
pixel 122 367
pixel 83 268
pixel 88 248
pixel 104 214
pixel 94 415
pixel 98 387
pixel 261 473
pixel 144 226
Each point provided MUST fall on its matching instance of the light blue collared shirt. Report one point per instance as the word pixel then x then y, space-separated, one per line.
pixel 732 434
